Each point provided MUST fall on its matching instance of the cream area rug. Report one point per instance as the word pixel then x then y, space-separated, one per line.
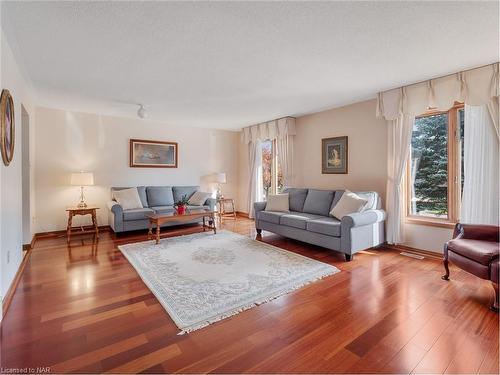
pixel 203 278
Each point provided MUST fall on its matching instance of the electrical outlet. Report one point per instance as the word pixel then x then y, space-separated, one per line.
pixel 8 256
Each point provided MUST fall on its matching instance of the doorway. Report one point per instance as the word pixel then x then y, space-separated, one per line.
pixel 26 178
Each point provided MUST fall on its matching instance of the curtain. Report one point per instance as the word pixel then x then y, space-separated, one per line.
pixel 400 131
pixel 252 176
pixel 284 147
pixel 481 168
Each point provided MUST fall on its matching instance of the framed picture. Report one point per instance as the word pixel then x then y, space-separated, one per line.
pixel 7 126
pixel 153 154
pixel 334 155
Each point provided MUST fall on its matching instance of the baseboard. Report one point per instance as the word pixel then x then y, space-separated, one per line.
pixel 13 286
pixel 62 233
pixel 412 250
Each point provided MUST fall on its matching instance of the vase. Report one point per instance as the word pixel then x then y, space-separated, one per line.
pixel 181 209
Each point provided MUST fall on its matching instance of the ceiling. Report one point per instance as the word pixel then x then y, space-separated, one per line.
pixel 230 64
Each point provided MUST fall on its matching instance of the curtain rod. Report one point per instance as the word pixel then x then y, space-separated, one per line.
pixel 446 75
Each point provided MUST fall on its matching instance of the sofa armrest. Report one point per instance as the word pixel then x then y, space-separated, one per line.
pixel 259 206
pixel 477 232
pixel 363 218
pixel 211 202
pixel 115 208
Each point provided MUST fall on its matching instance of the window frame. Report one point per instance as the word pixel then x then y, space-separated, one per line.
pixel 454 174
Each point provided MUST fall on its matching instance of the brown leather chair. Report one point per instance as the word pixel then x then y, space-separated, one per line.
pixel 475 249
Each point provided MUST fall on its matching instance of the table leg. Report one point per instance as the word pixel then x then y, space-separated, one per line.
pixel 70 224
pixel 234 210
pixel 150 229
pixel 204 227
pixel 215 226
pixel 157 233
pixel 94 222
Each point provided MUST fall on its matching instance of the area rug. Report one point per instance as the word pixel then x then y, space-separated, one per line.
pixel 203 278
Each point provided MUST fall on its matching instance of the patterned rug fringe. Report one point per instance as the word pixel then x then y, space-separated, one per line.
pixel 195 327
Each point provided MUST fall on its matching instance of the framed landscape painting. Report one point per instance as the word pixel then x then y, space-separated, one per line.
pixel 153 154
pixel 334 155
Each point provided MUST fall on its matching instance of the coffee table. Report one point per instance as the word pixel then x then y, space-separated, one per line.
pixel 174 216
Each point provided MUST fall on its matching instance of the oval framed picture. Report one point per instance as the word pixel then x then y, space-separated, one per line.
pixel 7 126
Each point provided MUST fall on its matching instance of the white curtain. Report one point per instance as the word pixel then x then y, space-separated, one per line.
pixel 253 168
pixel 481 167
pixel 284 147
pixel 400 131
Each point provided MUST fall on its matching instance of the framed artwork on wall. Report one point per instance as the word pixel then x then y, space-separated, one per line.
pixel 7 126
pixel 334 155
pixel 153 154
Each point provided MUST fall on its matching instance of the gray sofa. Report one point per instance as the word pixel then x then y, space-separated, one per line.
pixel 155 199
pixel 309 221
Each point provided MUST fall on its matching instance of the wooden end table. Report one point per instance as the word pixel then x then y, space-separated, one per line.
pixel 76 211
pixel 221 209
pixel 172 216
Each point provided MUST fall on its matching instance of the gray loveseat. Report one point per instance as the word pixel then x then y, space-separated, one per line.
pixel 309 221
pixel 154 199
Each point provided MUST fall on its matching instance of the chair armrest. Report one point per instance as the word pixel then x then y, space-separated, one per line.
pixel 358 219
pixel 115 208
pixel 477 232
pixel 259 206
pixel 211 202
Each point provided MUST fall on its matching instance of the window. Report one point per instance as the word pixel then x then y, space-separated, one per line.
pixel 435 167
pixel 272 177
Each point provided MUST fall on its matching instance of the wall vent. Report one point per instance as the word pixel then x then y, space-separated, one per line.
pixel 419 257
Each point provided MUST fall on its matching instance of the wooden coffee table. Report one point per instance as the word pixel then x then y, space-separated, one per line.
pixel 171 216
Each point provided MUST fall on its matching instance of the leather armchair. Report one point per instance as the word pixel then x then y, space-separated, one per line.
pixel 475 249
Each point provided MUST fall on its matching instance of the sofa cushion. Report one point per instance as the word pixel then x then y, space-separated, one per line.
pixel 160 196
pixel 318 202
pixel 180 191
pixel 277 203
pixel 325 225
pixel 270 216
pixel 297 219
pixel 128 198
pixel 136 214
pixel 296 198
pixel 348 204
pixel 189 207
pixel 479 251
pixel 163 209
pixel 198 198
pixel 142 194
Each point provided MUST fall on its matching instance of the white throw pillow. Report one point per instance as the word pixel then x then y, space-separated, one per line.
pixel 198 198
pixel 278 202
pixel 348 203
pixel 128 198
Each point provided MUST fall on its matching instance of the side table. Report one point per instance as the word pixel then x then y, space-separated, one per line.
pixel 76 211
pixel 221 209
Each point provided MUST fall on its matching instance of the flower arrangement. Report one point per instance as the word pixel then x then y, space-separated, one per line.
pixel 180 205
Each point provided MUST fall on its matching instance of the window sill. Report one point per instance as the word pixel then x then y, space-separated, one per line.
pixel 430 222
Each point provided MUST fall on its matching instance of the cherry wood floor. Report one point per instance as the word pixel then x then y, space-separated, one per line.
pixel 82 308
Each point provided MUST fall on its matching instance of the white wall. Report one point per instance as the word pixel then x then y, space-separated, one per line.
pixel 67 142
pixel 11 177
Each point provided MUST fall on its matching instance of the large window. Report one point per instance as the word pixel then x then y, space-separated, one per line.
pixel 435 167
pixel 272 178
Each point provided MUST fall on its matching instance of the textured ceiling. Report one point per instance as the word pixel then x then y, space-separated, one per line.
pixel 226 65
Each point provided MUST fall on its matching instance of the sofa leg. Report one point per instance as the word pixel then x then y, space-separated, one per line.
pixel 259 232
pixel 446 276
pixel 495 305
pixel 349 257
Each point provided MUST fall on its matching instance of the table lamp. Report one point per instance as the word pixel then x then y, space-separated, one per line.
pixel 82 179
pixel 220 178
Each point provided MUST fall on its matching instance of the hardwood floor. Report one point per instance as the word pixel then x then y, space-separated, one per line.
pixel 82 308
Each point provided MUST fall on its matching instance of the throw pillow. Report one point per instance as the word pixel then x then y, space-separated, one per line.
pixel 128 198
pixel 278 202
pixel 198 198
pixel 348 204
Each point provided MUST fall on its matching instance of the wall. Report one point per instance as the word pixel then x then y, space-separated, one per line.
pixel 11 238
pixel 68 142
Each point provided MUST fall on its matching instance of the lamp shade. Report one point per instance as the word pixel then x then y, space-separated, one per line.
pixel 220 178
pixel 82 179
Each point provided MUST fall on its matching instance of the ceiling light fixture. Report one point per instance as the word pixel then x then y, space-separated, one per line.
pixel 141 112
